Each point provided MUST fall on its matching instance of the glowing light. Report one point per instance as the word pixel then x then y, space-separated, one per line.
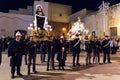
pixel 30 28
pixel 63 29
pixel 50 29
pixel 31 25
pixel 46 22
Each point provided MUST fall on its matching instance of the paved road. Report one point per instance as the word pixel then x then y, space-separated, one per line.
pixel 91 72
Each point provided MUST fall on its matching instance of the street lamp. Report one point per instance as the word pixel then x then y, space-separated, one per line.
pixel 63 32
pixel 63 29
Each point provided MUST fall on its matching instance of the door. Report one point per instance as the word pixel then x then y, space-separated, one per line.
pixel 113 31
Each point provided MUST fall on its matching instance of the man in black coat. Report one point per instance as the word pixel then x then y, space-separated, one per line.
pixel 76 50
pixel 61 57
pixel 106 49
pixel 55 49
pixel 50 55
pixel 32 50
pixel 52 48
pixel 26 40
pixel 15 51
pixel 88 49
pixel 96 50
pixel 43 50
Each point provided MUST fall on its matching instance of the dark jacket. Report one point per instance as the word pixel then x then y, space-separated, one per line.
pixel 106 45
pixel 55 44
pixel 16 48
pixel 43 47
pixel 88 46
pixel 76 45
pixel 32 46
pixel 96 44
pixel 62 54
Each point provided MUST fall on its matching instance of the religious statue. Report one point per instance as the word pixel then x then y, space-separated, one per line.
pixel 77 29
pixel 40 31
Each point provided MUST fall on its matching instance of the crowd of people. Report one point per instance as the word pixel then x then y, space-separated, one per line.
pixel 17 47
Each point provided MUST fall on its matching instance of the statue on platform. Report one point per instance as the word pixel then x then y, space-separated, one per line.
pixel 40 17
pixel 40 30
pixel 77 28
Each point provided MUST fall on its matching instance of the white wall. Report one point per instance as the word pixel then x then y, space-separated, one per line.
pixel 90 23
pixel 82 13
pixel 94 22
pixel 11 22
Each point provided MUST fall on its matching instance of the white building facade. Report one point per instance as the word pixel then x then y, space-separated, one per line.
pixel 22 18
pixel 103 23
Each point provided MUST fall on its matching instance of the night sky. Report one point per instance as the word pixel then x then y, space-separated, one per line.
pixel 81 4
pixel 77 5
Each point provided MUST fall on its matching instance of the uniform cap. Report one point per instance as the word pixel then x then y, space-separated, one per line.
pixel 18 34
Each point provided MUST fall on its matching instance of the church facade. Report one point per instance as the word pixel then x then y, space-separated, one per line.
pixel 102 22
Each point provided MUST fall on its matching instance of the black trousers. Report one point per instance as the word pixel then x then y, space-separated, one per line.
pixel 15 62
pixel 96 55
pixel 43 55
pixel 13 68
pixel 88 58
pixel 30 59
pixel 76 54
pixel 61 63
pixel 25 57
pixel 50 60
pixel 106 56
pixel 0 57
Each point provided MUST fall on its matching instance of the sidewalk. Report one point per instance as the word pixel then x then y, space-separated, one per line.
pixel 91 72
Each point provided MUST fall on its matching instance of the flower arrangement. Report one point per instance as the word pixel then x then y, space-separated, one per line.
pixel 40 34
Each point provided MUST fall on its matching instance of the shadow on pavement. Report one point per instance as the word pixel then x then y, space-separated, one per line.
pixel 40 76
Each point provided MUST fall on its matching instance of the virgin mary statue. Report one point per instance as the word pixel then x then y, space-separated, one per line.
pixel 77 28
